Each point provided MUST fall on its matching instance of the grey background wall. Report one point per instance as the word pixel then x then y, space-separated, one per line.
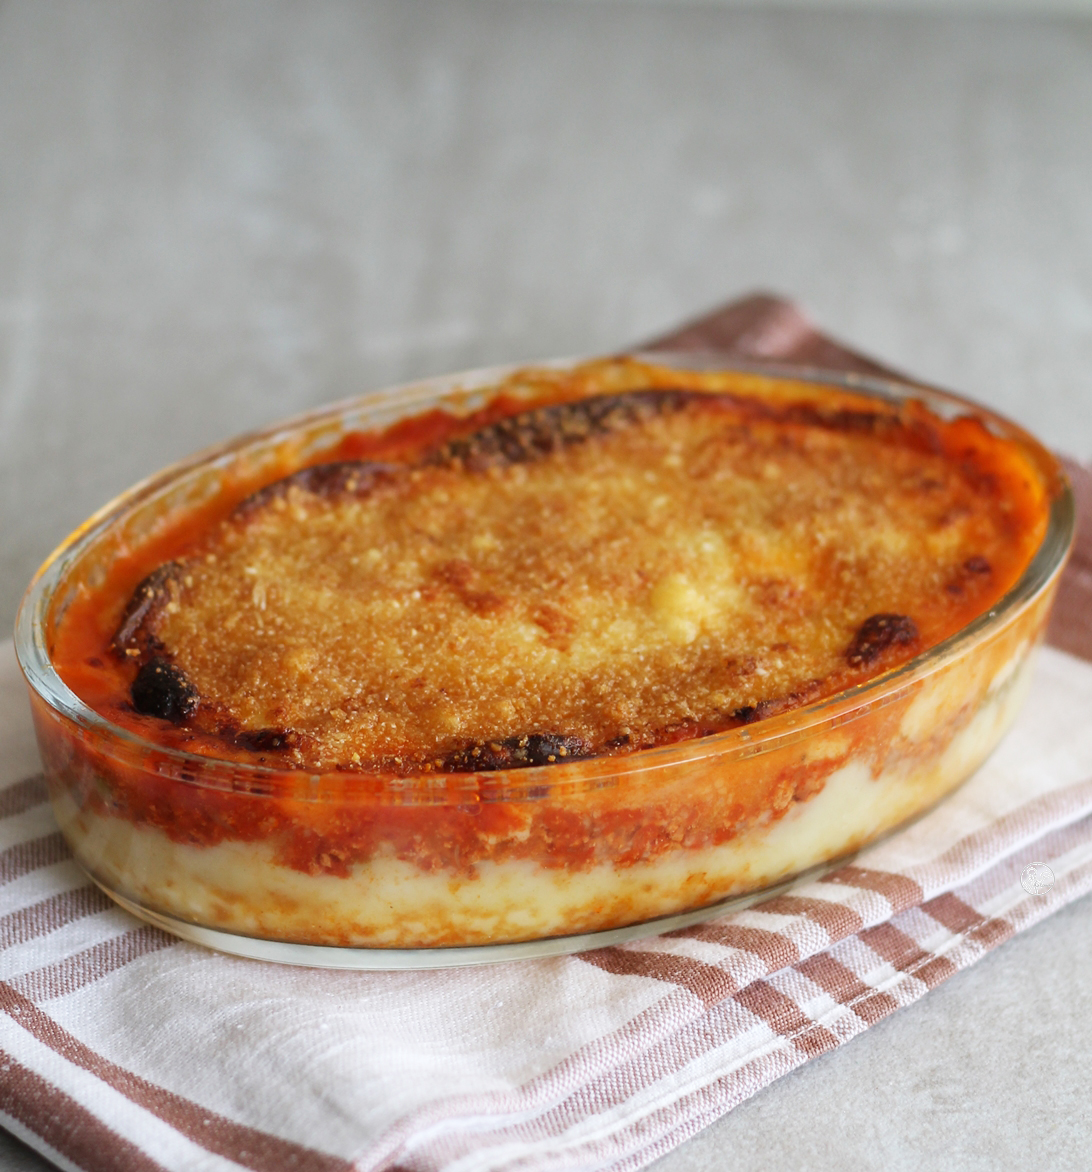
pixel 213 214
pixel 940 7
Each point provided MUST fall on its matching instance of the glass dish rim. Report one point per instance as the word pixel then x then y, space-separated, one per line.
pixel 208 772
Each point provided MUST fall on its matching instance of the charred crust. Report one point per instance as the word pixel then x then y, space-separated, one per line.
pixel 133 636
pixel 162 689
pixel 805 694
pixel 516 753
pixel 977 565
pixel 878 633
pixel 264 740
pixel 346 478
pixel 531 435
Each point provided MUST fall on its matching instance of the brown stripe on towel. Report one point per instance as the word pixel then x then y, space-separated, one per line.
pixel 837 920
pixel 50 914
pixel 247 1146
pixel 783 1015
pixel 24 857
pixel 65 1125
pixel 23 795
pixel 899 891
pixel 707 982
pixel 773 949
pixel 843 984
pixel 764 328
pixel 905 954
pixel 86 967
pixel 961 918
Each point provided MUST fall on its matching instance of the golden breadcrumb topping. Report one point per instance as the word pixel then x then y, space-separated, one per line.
pixel 699 567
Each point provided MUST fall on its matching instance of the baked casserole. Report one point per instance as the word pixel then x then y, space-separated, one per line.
pixel 544 653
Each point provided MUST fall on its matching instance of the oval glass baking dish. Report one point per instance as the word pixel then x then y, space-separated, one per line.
pixel 359 870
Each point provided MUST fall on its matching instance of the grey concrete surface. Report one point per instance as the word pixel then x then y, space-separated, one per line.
pixel 215 214
pixel 15 1156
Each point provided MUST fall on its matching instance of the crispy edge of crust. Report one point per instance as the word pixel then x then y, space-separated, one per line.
pixel 531 435
pixel 357 478
pixel 520 752
pixel 134 637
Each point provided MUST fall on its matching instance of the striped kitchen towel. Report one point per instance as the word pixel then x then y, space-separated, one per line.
pixel 122 1048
